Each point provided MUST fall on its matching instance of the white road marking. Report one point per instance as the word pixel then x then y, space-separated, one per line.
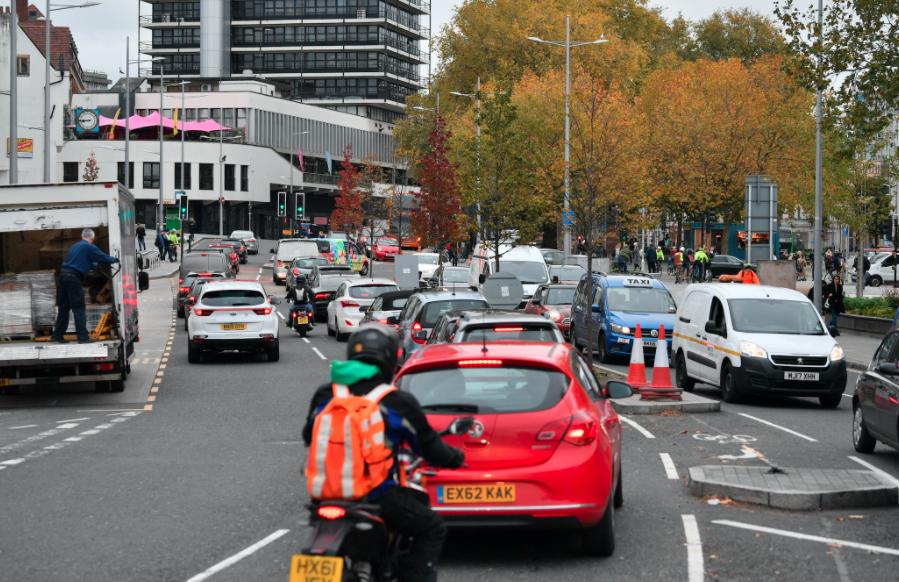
pixel 801 536
pixel 847 395
pixel 320 355
pixel 670 469
pixel 880 472
pixel 257 278
pixel 87 432
pixel 238 556
pixel 37 437
pixel 279 314
pixel 72 420
pixel 13 462
pixel 69 425
pixel 305 340
pixel 632 423
pixel 777 426
pixel 73 439
pixel 695 568
pixel 25 426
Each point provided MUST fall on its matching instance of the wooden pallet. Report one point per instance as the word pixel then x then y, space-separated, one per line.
pixel 104 294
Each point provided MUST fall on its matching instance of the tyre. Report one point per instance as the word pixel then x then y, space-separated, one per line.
pixel 330 331
pixel 101 386
pixel 599 540
pixel 861 438
pixel 116 385
pixel 193 355
pixel 180 312
pixel 602 350
pixel 728 386
pixel 274 354
pixel 185 324
pixel 619 492
pixel 303 332
pixel 684 381
pixel 831 400
pixel 875 281
pixel 341 337
pixel 365 268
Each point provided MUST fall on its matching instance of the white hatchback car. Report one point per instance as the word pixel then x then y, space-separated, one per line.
pixel 427 265
pixel 233 315
pixel 351 300
pixel 754 339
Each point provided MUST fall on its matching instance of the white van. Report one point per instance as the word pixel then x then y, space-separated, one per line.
pixel 525 262
pixel 289 249
pixel 753 339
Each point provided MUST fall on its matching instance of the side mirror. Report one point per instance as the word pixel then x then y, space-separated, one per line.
pixel 616 389
pixel 555 278
pixel 459 426
pixel 596 309
pixel 364 308
pixel 421 335
pixel 392 320
pixel 710 327
pixel 482 278
pixel 888 369
pixel 271 250
pixel 143 281
pixel 274 300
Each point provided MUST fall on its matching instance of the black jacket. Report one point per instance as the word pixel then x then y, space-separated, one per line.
pixel 836 297
pixel 310 295
pixel 141 232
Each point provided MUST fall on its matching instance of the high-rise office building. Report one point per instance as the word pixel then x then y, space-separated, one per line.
pixel 357 56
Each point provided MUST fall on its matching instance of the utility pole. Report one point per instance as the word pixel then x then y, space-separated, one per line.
pixel 161 216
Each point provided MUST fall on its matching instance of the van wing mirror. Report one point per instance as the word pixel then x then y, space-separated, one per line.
pixel 710 327
pixel 482 278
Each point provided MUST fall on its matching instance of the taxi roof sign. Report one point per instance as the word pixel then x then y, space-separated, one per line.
pixel 638 282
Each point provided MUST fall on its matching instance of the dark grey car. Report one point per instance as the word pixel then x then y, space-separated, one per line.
pixel 490 325
pixel 324 281
pixel 303 266
pixel 424 308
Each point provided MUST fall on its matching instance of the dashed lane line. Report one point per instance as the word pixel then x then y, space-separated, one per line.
pixel 238 556
pixel 73 420
pixel 279 315
pixel 320 355
pixel 25 426
pixel 807 537
pixel 670 469
pixel 37 437
pixel 632 423
pixel 695 567
pixel 777 426
pixel 305 340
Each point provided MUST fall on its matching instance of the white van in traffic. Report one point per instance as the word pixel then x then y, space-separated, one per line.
pixel 525 262
pixel 289 249
pixel 753 339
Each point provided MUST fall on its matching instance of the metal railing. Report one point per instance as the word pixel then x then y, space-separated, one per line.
pixel 169 18
pixel 146 45
pixel 176 69
pixel 338 39
pixel 239 13
pixel 150 259
pixel 320 179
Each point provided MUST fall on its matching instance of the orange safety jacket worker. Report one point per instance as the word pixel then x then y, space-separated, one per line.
pixel 748 277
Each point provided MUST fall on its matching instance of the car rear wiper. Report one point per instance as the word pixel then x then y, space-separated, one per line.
pixel 455 407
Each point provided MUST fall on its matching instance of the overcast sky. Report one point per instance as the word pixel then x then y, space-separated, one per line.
pixel 100 31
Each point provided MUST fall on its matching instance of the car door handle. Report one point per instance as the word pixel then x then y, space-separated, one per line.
pixel 684 319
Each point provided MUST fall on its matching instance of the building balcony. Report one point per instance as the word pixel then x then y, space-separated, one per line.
pixel 332 95
pixel 404 24
pixel 151 47
pixel 169 20
pixel 337 42
pixel 172 69
pixel 326 179
pixel 399 72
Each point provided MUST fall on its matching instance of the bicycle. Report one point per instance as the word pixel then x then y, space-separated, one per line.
pixel 671 268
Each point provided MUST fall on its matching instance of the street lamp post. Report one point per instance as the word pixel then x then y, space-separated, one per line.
pixel 160 218
pixel 568 45
pixel 818 266
pixel 13 96
pixel 47 131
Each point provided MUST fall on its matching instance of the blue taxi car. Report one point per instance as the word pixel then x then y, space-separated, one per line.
pixel 619 303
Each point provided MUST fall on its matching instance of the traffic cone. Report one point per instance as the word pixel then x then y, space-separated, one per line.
pixel 636 374
pixel 661 388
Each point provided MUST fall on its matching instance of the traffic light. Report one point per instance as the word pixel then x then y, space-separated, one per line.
pixel 183 203
pixel 301 205
pixel 282 203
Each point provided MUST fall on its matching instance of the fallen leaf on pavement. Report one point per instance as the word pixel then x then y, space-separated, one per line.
pixel 857 516
pixel 829 553
pixel 839 518
pixel 684 431
pixel 835 545
pixel 726 501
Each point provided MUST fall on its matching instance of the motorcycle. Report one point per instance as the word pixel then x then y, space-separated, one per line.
pixel 301 320
pixel 350 543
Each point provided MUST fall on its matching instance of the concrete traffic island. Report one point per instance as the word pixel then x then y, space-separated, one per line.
pixel 794 488
pixel 688 403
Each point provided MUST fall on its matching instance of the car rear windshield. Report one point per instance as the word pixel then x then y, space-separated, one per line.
pixel 640 300
pixel 323 246
pixel 427 259
pixel 188 281
pixel 309 263
pixel 775 316
pixel 241 234
pixel 435 309
pixel 510 332
pixel 370 291
pixel 387 242
pixel 485 390
pixel 560 296
pixel 297 248
pixel 455 276
pixel 233 298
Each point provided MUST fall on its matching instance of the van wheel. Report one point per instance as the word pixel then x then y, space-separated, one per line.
pixel 728 386
pixel 875 281
pixel 684 382
pixel 364 271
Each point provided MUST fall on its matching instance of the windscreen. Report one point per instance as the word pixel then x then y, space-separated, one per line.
pixel 233 298
pixel 370 291
pixel 560 297
pixel 511 332
pixel 455 276
pixel 309 263
pixel 527 272
pixel 387 242
pixel 775 316
pixel 435 309
pixel 639 299
pixel 485 390
pixel 296 248
pixel 427 259
pixel 571 273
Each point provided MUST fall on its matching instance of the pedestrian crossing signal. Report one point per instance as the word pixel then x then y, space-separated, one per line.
pixel 282 203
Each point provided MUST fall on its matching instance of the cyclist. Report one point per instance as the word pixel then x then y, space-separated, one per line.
pixel 679 264
pixel 371 361
pixel 701 259
pixel 747 276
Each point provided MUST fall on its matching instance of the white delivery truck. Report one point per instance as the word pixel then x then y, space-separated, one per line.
pixel 39 223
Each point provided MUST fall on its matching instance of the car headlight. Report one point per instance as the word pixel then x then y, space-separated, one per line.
pixel 836 354
pixel 554 315
pixel 621 329
pixel 750 349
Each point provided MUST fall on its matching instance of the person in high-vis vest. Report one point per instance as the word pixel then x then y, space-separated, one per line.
pixel 371 361
pixel 748 276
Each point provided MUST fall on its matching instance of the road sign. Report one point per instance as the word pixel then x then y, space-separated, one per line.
pixel 568 217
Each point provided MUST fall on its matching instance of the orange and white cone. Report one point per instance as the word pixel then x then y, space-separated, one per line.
pixel 661 388
pixel 636 374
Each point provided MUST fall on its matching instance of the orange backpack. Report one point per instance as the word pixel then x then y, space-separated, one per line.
pixel 349 455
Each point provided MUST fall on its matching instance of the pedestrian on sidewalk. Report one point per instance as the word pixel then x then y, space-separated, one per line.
pixel 166 243
pixel 801 265
pixel 650 255
pixel 833 299
pixel 69 290
pixel 141 235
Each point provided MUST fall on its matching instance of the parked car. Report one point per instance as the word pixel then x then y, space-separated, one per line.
pixel 554 301
pixel 387 308
pixel 553 256
pixel 427 265
pixel 448 276
pixel 875 401
pixel 725 265
pixel 411 242
pixel 248 237
pixel 492 325
pixel 754 339
pixel 351 300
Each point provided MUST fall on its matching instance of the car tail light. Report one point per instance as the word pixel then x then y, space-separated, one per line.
pixel 180 281
pixel 263 311
pixel 502 329
pixel 102 367
pixel 416 326
pixel 183 289
pixel 384 321
pixel 191 298
pixel 331 512
pixel 321 295
pixel 296 272
pixel 241 248
pixel 348 322
pixel 280 264
pixel 482 363
pixel 396 327
pixel 554 431
pixel 349 304
pixel 202 312
pixel 582 430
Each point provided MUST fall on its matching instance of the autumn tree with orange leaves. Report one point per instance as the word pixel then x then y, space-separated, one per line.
pixel 437 216
pixel 348 213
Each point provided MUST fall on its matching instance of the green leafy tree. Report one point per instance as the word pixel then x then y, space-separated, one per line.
pixel 735 34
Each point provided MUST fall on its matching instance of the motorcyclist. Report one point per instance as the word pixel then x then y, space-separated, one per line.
pixel 371 361
pixel 301 295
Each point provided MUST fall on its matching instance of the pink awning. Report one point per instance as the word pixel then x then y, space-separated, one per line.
pixel 152 120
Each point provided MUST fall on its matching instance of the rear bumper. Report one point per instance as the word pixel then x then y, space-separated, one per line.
pixel 519 521
pixel 760 376
pixel 243 343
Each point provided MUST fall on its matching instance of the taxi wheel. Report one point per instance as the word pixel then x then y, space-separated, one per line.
pixel 602 350
pixel 684 381
pixel 728 386
pixel 599 540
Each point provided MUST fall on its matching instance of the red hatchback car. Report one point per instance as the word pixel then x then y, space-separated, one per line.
pixel 386 248
pixel 545 447
pixel 554 301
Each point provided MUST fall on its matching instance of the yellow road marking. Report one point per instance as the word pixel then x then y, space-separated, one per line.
pixel 162 365
pixel 157 381
pixel 154 389
pixel 151 398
